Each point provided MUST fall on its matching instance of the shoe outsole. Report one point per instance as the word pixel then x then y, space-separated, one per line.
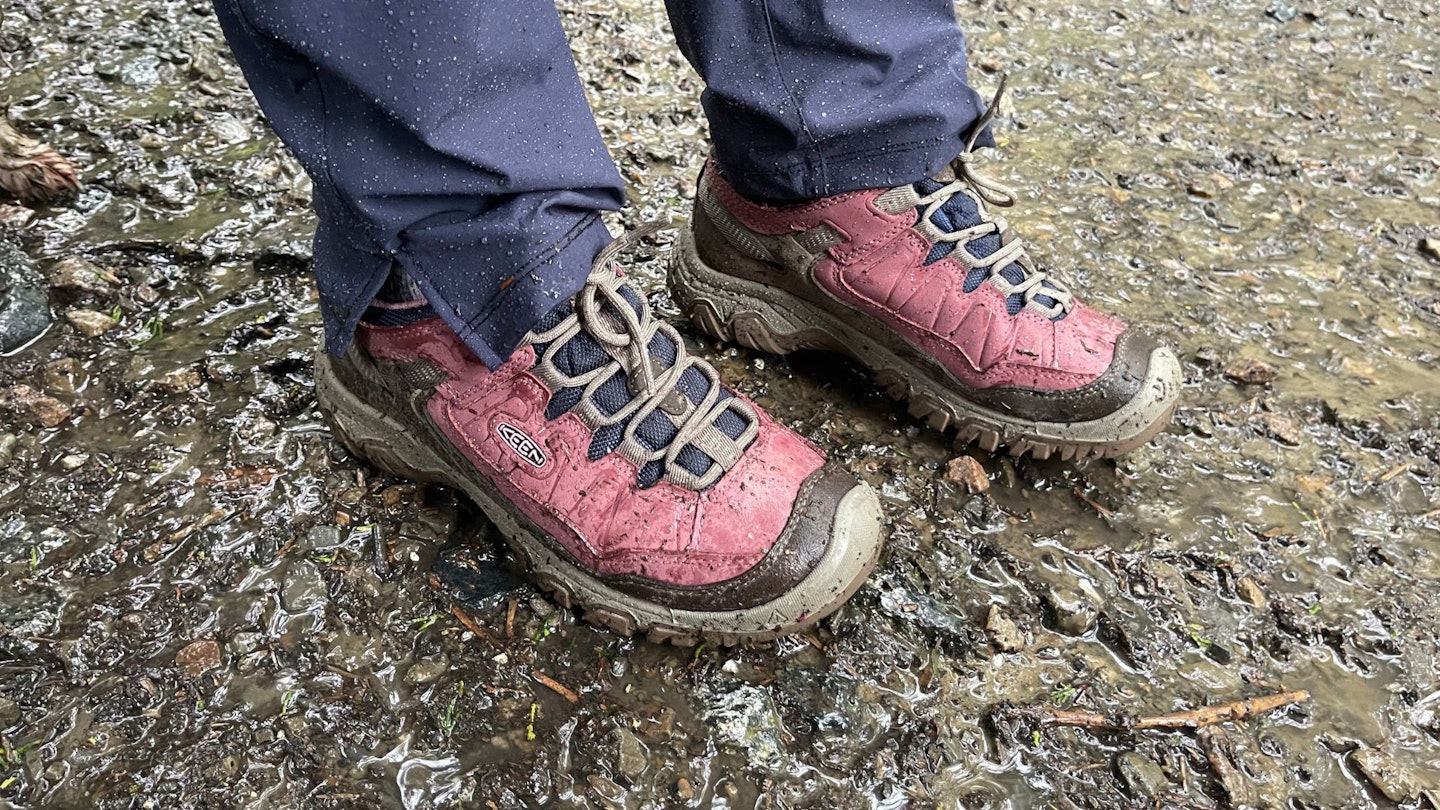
pixel 852 554
pixel 772 320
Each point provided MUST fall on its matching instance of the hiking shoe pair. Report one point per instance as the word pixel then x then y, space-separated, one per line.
pixel 641 491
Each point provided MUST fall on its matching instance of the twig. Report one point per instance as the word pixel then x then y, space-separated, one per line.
pixel 559 688
pixel 1233 711
pixel 474 626
pixel 1105 513
pixel 1394 471
pixel 510 619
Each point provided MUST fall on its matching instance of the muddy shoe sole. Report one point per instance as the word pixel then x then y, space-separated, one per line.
pixel 851 555
pixel 773 320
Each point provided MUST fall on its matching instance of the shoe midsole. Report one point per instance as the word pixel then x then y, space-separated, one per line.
pixel 804 324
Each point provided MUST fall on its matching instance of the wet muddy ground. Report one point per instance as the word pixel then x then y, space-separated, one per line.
pixel 207 603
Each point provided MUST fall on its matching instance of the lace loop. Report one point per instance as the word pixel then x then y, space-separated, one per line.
pixel 625 332
pixel 988 191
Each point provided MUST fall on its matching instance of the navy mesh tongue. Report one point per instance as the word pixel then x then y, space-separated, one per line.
pixel 583 354
pixel 958 213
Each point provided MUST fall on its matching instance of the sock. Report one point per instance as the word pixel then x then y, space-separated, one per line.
pixel 399 302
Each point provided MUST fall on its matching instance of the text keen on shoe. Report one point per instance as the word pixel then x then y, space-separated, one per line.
pixel 932 293
pixel 634 485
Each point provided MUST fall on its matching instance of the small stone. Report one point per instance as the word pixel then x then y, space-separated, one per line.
pixel 1004 633
pixel 683 789
pixel 989 64
pixel 427 670
pixel 244 643
pixel 1250 372
pixel 632 758
pixel 15 216
pixel 1143 779
pixel 1210 186
pixel 80 275
pixel 64 376
pixel 9 712
pixel 606 793
pixel 198 656
pixel 145 294
pixel 1075 613
pixel 1283 430
pixel 1360 370
pixel 264 736
pixel 47 411
pixel 968 472
pixel 9 443
pixel 90 323
pixel 1251 593
pixel 1430 246
pixel 73 461
pixel 177 382
pixel 1386 775
pixel 283 260
pixel 152 140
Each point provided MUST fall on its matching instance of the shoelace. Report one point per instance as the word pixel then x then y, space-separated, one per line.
pixel 609 318
pixel 1012 248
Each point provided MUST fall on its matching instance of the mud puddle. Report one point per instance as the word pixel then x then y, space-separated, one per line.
pixel 206 603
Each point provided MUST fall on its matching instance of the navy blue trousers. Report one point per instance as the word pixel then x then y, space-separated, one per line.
pixel 453 137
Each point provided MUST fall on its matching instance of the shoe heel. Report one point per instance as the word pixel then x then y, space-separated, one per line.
pixel 369 434
pixel 728 309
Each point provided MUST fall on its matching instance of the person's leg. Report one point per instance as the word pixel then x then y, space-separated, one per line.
pixel 452 138
pixel 841 210
pixel 809 98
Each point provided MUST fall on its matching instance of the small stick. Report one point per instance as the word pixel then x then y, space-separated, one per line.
pixel 559 688
pixel 1105 513
pixel 1233 711
pixel 474 626
pixel 1394 471
pixel 510 619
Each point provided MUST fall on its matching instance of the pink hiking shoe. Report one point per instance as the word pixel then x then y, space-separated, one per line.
pixel 934 295
pixel 633 484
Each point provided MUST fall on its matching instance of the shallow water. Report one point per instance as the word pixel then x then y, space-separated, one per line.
pixel 1250 180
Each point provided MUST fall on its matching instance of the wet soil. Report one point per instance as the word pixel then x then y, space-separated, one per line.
pixel 206 603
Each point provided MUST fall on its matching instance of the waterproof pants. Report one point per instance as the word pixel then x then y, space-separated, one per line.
pixel 453 138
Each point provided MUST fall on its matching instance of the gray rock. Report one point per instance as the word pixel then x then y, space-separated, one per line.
pixel 1143 779
pixel 1385 774
pixel 24 297
pixel 73 461
pixel 632 757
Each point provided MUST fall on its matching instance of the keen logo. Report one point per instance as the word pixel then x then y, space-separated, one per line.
pixel 523 445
